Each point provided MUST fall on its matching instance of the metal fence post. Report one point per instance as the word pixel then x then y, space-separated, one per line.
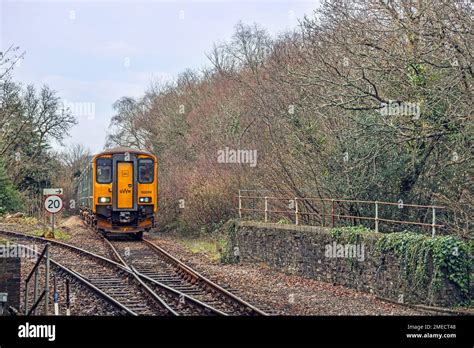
pixel 52 224
pixel 35 293
pixel 240 205
pixel 68 299
pixel 296 211
pixel 46 281
pixel 55 297
pixel 376 216
pixel 26 297
pixel 266 209
pixel 433 225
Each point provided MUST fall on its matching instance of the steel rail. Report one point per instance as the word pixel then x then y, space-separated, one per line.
pixel 175 292
pixel 103 259
pixel 163 287
pixel 77 276
pixel 199 277
pixel 140 277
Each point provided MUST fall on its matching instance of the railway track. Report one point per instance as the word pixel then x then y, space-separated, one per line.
pixel 181 302
pixel 147 280
pixel 137 292
pixel 159 268
pixel 118 283
pixel 76 278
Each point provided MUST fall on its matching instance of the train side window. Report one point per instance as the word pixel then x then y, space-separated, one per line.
pixel 145 171
pixel 104 170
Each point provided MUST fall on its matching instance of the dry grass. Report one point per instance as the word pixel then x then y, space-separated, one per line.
pixel 211 248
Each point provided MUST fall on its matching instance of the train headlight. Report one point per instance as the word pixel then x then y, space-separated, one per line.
pixel 104 199
pixel 145 200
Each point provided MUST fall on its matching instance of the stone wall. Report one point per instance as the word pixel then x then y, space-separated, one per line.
pixel 10 281
pixel 313 252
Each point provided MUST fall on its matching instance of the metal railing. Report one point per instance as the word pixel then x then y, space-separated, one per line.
pixel 305 208
pixel 45 293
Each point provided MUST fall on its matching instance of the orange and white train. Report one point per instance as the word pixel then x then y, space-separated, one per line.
pixel 118 191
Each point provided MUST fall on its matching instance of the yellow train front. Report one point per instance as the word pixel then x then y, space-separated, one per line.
pixel 118 191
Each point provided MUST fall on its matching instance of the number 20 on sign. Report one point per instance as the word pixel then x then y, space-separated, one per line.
pixel 53 204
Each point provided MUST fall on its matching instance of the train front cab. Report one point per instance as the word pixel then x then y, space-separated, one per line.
pixel 125 192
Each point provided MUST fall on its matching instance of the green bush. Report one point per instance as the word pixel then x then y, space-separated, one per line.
pixel 352 233
pixel 9 196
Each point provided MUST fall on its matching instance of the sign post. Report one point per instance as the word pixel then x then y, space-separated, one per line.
pixel 53 205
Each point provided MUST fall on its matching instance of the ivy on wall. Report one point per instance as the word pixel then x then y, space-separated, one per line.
pixel 352 234
pixel 425 261
pixel 447 257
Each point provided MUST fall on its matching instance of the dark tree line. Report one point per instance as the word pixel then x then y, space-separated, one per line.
pixel 30 120
pixel 366 100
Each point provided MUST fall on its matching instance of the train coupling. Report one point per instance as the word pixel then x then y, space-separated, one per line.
pixel 125 217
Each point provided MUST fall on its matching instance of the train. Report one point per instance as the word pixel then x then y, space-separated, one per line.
pixel 118 192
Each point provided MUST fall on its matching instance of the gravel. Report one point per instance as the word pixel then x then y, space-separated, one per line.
pixel 83 301
pixel 269 289
pixel 283 294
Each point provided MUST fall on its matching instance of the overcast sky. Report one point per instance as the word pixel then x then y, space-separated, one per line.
pixel 94 52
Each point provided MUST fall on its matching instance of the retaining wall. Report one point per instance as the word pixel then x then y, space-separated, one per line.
pixel 313 252
pixel 10 281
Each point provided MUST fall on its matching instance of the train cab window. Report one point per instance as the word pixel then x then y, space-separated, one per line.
pixel 145 171
pixel 104 170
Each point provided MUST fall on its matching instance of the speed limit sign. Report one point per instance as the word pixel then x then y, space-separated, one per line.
pixel 53 204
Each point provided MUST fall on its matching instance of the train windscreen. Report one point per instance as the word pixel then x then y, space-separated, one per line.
pixel 145 171
pixel 104 170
